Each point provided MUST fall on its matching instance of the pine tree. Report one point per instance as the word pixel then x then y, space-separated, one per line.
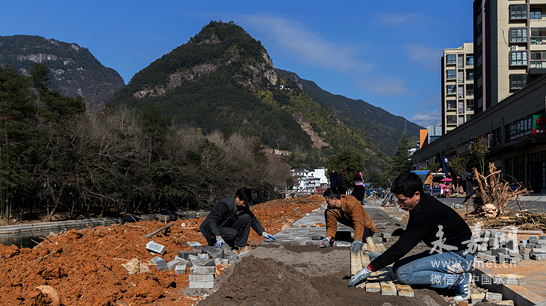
pixel 401 160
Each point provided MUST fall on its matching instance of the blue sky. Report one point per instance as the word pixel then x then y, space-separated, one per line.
pixel 386 53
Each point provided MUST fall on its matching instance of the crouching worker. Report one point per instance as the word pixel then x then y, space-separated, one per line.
pixel 230 220
pixel 346 210
pixel 447 263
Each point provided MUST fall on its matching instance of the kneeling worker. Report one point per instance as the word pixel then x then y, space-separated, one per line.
pixel 447 264
pixel 230 220
pixel 346 210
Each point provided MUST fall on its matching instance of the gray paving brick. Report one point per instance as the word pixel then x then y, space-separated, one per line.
pixel 201 277
pixel 487 256
pixel 203 270
pixel 180 269
pixel 155 247
pixel 538 257
pixel 161 264
pixel 493 297
pixel 497 251
pixel 201 285
pixel 195 245
pixel 213 252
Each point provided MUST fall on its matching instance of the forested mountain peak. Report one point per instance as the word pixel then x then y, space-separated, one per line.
pixel 75 71
pixel 224 80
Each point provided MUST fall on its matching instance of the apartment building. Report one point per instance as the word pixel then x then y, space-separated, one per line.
pixel 509 48
pixel 457 86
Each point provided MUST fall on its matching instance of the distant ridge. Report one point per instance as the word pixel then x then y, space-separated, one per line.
pixel 384 128
pixel 75 70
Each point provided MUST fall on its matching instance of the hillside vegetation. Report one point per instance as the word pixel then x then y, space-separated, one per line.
pixel 75 71
pixel 57 158
pixel 224 80
pixel 383 128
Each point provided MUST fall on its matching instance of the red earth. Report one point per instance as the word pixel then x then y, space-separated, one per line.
pixel 85 267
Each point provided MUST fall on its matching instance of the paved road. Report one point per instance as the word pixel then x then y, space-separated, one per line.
pixel 534 203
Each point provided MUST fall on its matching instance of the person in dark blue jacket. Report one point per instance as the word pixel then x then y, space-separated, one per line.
pixel 230 220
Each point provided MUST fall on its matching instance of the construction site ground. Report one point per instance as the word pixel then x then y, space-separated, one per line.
pixel 85 267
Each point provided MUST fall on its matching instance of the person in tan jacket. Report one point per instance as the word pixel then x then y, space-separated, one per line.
pixel 346 210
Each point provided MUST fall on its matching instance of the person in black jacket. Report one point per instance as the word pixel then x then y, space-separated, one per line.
pixel 333 180
pixel 342 183
pixel 230 220
pixel 447 264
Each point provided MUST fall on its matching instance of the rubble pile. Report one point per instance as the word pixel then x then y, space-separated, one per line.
pixel 501 247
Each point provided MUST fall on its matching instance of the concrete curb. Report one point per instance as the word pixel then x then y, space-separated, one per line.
pixel 57 226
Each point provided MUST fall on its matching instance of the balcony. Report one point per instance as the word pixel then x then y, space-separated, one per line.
pixel 538 40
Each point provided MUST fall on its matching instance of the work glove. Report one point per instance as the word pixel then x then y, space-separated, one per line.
pixel 324 242
pixel 374 255
pixel 356 246
pixel 359 277
pixel 267 236
pixel 219 242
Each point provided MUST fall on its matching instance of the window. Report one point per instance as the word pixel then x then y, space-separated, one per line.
pixel 538 59
pixel 470 75
pixel 461 119
pixel 460 60
pixel 470 60
pixel 451 119
pixel 460 76
pixel 518 58
pixel 538 36
pixel 518 11
pixel 517 35
pixel 461 107
pixel 460 91
pixel 451 89
pixel 451 104
pixel 468 117
pixel 518 81
pixel 469 89
pixel 451 59
pixel 451 74
pixel 536 13
pixel 469 105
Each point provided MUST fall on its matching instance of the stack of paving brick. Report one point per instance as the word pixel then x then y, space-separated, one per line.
pixel 202 262
pixel 383 280
pixel 537 244
pixel 495 246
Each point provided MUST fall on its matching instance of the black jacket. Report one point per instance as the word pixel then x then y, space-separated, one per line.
pixel 423 225
pixel 223 214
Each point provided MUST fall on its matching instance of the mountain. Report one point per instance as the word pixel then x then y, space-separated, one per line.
pixel 383 127
pixel 74 69
pixel 223 79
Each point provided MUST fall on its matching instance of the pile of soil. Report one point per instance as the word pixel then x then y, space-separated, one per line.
pixel 287 275
pixel 86 266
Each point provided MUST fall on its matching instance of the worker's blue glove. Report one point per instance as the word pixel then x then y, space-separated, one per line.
pixel 359 277
pixel 356 246
pixel 219 242
pixel 267 236
pixel 374 255
pixel 324 242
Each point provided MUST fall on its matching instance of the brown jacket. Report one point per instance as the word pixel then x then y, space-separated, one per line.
pixel 352 214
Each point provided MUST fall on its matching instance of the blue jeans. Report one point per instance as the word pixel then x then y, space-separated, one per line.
pixel 431 269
